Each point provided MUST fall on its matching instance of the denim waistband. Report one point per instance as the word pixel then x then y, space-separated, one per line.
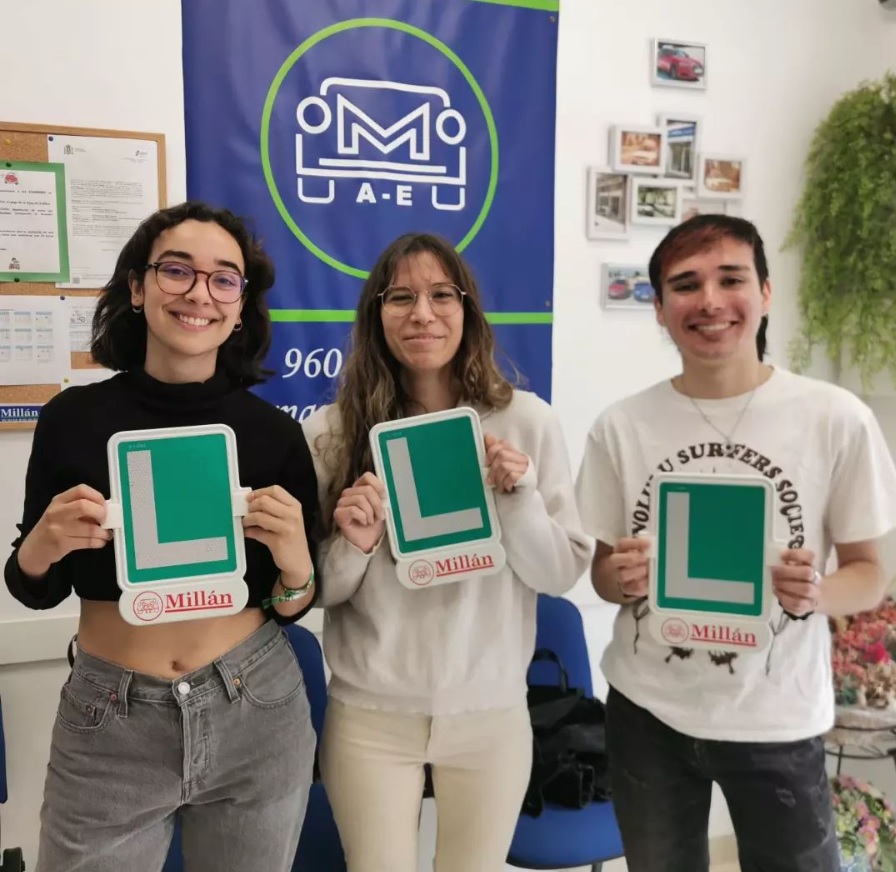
pixel 223 672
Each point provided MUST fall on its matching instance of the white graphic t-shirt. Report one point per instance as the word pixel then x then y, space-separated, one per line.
pixel 834 481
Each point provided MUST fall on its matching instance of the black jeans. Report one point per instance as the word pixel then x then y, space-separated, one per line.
pixel 777 794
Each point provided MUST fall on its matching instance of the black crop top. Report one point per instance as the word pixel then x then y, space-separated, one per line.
pixel 70 448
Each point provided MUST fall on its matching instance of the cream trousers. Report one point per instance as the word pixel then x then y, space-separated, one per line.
pixel 372 768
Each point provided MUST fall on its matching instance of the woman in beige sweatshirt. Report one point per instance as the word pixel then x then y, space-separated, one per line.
pixel 437 675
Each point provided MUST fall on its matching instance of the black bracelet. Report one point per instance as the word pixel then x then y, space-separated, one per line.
pixel 816 580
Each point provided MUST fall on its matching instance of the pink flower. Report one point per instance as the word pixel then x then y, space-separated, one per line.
pixel 877 653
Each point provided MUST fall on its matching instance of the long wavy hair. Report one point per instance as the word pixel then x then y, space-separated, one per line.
pixel 371 391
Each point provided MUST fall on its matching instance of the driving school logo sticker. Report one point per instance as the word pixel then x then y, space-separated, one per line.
pixel 414 139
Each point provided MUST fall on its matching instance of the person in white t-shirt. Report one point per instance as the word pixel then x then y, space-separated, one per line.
pixel 437 675
pixel 681 718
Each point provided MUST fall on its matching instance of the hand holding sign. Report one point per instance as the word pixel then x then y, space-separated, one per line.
pixel 795 582
pixel 506 465
pixel 70 523
pixel 359 512
pixel 631 567
pixel 275 519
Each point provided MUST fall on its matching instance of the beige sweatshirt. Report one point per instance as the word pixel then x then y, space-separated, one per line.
pixel 463 646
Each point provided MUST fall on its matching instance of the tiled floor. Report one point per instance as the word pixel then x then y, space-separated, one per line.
pixel 723 849
pixel 619 866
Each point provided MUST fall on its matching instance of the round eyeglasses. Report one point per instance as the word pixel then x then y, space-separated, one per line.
pixel 224 285
pixel 444 299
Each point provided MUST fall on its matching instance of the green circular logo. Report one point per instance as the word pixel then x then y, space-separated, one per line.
pixel 290 62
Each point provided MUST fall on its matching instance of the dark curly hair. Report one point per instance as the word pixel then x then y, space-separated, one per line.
pixel 119 334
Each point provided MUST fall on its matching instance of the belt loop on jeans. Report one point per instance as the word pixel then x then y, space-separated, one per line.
pixel 230 683
pixel 122 696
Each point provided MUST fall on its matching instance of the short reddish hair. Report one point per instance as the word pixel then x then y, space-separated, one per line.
pixel 699 233
pixel 702 232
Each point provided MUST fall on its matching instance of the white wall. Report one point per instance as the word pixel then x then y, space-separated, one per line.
pixel 774 69
pixel 123 71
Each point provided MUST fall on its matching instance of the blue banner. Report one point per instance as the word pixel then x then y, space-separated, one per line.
pixel 336 126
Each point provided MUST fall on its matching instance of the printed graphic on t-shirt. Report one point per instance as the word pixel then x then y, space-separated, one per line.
pixel 717 457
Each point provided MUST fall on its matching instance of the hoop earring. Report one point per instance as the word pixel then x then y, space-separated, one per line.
pixel 238 326
pixel 136 309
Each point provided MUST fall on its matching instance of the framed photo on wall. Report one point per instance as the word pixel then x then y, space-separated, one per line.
pixel 692 205
pixel 682 144
pixel 677 64
pixel 720 176
pixel 607 204
pixel 655 201
pixel 626 286
pixel 637 149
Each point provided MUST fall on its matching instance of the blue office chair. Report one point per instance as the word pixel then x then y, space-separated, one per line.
pixel 175 860
pixel 561 838
pixel 320 849
pixel 12 857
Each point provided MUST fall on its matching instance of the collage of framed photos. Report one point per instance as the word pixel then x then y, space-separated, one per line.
pixel 658 175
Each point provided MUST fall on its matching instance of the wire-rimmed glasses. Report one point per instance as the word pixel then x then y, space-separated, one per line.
pixel 444 299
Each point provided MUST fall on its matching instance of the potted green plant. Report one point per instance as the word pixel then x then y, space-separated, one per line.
pixel 845 225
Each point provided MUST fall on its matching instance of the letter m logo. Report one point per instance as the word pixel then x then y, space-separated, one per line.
pixel 353 125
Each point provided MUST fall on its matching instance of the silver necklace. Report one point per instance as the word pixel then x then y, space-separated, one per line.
pixel 728 437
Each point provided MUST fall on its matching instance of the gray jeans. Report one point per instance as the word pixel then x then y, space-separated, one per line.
pixel 229 747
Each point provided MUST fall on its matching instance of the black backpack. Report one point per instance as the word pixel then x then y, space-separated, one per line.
pixel 569 753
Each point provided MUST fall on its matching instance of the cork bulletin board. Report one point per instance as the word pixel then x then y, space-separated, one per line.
pixel 96 207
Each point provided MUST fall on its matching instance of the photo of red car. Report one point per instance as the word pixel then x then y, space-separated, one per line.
pixel 626 286
pixel 679 64
pixel 619 289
